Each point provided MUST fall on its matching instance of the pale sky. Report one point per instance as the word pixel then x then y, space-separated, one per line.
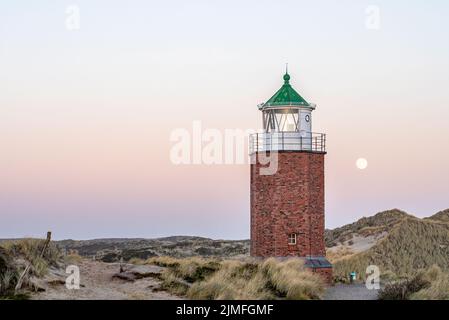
pixel 86 114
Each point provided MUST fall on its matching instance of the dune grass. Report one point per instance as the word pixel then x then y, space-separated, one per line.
pixel 15 255
pixel 334 254
pixel 410 246
pixel 413 260
pixel 383 221
pixel 438 288
pixel 73 258
pixel 181 273
pixel 199 278
pixel 430 284
pixel 8 274
pixel 30 249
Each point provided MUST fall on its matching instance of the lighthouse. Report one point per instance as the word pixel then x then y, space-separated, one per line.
pixel 287 204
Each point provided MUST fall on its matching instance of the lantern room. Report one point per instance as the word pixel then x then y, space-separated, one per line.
pixel 287 111
pixel 287 123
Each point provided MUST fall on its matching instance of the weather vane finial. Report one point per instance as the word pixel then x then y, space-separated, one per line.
pixel 286 75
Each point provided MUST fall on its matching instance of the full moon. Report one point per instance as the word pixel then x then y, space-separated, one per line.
pixel 361 163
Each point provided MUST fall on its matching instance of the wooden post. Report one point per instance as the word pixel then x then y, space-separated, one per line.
pixel 47 242
pixel 121 265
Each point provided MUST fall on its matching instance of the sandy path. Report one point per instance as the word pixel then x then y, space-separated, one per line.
pixel 97 284
pixel 350 292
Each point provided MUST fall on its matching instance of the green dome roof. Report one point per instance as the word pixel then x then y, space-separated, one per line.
pixel 286 96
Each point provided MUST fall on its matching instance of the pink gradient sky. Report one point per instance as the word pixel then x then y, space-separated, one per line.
pixel 86 115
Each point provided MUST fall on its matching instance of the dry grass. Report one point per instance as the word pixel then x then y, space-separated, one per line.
pixel 430 284
pixel 30 249
pixel 199 278
pixel 166 261
pixel 371 231
pixel 73 258
pixel 292 280
pixel 8 273
pixel 442 216
pixel 335 254
pixel 16 254
pixel 235 280
pixel 403 289
pixel 189 269
pixel 136 261
pixel 410 246
pixel 439 286
pixel 181 273
pixel 376 224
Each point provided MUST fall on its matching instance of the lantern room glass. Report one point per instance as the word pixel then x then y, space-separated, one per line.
pixel 281 120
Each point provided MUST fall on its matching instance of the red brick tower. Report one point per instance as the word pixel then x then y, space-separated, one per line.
pixel 287 182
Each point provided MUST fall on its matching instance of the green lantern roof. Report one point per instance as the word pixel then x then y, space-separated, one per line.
pixel 286 96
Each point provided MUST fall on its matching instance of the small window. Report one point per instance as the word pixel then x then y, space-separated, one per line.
pixel 292 238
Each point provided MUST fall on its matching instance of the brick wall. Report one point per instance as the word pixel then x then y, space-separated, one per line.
pixel 290 201
pixel 326 274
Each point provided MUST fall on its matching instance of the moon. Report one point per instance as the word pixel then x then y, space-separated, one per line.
pixel 361 163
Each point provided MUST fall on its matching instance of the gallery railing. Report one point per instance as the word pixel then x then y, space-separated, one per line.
pixel 287 141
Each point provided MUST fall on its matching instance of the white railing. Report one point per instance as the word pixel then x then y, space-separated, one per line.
pixel 287 141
